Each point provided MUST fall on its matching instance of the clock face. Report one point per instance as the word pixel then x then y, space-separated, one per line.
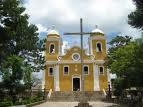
pixel 76 56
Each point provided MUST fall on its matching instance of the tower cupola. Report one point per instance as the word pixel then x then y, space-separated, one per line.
pixel 97 31
pixel 53 32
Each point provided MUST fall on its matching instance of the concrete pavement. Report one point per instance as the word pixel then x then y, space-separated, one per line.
pixel 72 104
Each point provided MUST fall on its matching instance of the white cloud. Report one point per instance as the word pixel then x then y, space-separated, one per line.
pixel 41 28
pixel 110 15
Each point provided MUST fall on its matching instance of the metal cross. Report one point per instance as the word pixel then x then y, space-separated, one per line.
pixel 81 33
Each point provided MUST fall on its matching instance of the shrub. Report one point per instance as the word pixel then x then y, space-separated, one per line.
pixel 6 104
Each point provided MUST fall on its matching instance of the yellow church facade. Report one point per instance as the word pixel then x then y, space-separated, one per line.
pixel 63 71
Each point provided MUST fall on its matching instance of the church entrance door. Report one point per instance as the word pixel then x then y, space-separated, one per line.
pixel 76 84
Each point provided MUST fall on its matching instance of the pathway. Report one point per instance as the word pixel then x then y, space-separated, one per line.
pixel 72 104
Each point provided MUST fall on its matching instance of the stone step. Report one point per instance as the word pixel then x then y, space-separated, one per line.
pixel 76 96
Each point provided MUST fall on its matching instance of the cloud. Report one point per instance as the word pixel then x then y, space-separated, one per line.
pixel 41 28
pixel 110 15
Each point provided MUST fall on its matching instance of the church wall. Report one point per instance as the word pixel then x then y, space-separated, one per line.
pixel 103 81
pixel 89 80
pixel 65 81
pixel 49 80
pixel 75 49
pixel 75 70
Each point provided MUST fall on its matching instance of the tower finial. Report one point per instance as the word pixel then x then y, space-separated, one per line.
pixel 96 26
pixel 53 27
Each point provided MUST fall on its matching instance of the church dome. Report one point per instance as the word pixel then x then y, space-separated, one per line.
pixel 97 30
pixel 52 32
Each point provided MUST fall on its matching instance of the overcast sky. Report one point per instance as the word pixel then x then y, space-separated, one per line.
pixel 110 15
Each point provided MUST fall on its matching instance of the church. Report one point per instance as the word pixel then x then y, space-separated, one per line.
pixel 63 71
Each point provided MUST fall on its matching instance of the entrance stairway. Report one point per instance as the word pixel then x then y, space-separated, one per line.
pixel 76 96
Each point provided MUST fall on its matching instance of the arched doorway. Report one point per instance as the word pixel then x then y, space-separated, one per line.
pixel 76 83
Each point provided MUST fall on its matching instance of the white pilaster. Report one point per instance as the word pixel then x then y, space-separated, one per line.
pixel 56 78
pixel 43 81
pixel 91 48
pixel 96 78
pixel 59 51
pixel 109 78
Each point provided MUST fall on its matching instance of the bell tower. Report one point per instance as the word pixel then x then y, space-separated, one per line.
pixel 97 44
pixel 53 45
pixel 53 50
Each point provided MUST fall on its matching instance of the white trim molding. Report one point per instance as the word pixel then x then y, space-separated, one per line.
pixel 56 78
pixel 71 61
pixel 91 47
pixel 98 37
pixel 77 55
pixel 53 39
pixel 99 61
pixel 43 80
pixel 109 77
pixel 96 77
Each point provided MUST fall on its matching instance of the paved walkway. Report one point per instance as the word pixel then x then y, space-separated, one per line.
pixel 72 104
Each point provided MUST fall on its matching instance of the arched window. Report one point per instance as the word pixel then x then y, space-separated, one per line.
pixel 52 48
pixel 86 70
pixel 101 70
pixel 51 71
pixel 66 70
pixel 98 47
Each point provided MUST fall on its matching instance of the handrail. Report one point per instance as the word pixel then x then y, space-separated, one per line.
pixel 50 92
pixel 104 92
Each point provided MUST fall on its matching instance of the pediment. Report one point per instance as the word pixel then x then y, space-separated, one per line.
pixel 70 53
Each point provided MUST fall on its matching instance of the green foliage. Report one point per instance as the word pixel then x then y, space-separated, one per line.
pixel 126 61
pixel 29 100
pixel 135 18
pixel 139 41
pixel 18 36
pixel 119 85
pixel 13 74
pixel 6 104
pixel 20 49
pixel 115 44
pixel 40 94
pixel 27 77
pixel 123 59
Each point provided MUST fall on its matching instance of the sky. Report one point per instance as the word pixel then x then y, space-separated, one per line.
pixel 111 16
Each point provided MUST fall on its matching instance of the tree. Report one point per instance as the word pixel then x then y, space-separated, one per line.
pixel 19 46
pixel 18 36
pixel 13 74
pixel 115 44
pixel 135 18
pixel 139 41
pixel 127 61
